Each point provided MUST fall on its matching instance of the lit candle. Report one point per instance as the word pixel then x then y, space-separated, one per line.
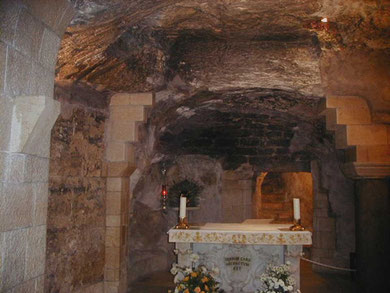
pixel 183 202
pixel 297 210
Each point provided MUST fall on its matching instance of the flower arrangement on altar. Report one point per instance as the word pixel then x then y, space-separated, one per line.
pixel 199 280
pixel 278 279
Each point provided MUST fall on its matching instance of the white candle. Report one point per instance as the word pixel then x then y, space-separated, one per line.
pixel 297 210
pixel 183 202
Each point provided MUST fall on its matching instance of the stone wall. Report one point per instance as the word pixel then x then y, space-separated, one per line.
pixel 219 125
pixel 276 195
pixel 207 173
pixel 271 198
pixel 300 185
pixel 236 194
pixel 126 112
pixel 76 210
pixel 148 248
pixel 362 72
pixel 29 40
pixel 334 213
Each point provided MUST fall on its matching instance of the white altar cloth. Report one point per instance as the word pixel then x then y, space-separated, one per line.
pixel 248 232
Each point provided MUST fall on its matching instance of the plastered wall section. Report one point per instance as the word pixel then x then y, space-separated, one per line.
pixel 30 36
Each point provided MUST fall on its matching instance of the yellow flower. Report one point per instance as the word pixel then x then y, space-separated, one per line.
pixel 197 290
pixel 205 279
pixel 194 274
pixel 186 279
pixel 202 292
pixel 186 291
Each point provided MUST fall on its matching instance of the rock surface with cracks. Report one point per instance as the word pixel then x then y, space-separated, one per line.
pixel 219 45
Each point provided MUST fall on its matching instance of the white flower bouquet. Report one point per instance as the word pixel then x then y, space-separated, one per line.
pixel 278 279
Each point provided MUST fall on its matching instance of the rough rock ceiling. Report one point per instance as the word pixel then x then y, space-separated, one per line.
pixel 216 44
pixel 270 129
pixel 238 80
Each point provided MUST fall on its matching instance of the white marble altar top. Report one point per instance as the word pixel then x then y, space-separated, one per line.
pixel 249 232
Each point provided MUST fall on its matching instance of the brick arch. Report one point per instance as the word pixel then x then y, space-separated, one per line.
pixel 31 33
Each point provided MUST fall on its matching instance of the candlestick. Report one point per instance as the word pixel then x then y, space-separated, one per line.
pixel 297 226
pixel 297 210
pixel 183 223
pixel 183 203
pixel 297 216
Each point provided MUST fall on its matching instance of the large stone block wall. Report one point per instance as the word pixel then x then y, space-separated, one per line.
pixel 76 209
pixel 29 40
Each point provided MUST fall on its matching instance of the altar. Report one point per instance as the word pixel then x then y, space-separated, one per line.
pixel 240 251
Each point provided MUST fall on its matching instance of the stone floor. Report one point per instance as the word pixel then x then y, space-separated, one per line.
pixel 311 282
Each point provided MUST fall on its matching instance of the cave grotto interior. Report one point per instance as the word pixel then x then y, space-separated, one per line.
pixel 103 102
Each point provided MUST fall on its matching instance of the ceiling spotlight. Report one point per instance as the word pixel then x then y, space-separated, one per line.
pixel 325 19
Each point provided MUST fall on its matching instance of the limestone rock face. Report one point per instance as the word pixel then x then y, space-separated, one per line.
pixel 149 250
pixel 219 64
pixel 146 46
pixel 76 209
pixel 219 45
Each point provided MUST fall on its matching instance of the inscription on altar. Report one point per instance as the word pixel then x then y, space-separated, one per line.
pixel 237 262
pixel 239 265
